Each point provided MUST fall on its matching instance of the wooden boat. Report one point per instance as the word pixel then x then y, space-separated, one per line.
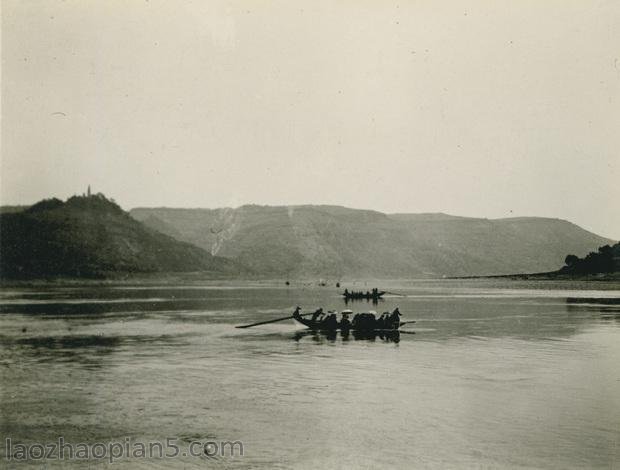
pixel 319 326
pixel 363 295
pixel 362 323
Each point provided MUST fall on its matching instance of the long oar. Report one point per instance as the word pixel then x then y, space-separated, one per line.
pixel 405 322
pixel 395 293
pixel 271 321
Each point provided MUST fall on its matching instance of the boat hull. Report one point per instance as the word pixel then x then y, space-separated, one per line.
pixel 318 327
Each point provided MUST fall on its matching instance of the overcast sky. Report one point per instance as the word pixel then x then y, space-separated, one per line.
pixel 478 108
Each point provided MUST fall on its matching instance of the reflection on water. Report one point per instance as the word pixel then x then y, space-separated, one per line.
pixel 609 308
pixel 520 374
pixel 360 302
pixel 320 336
pixel 594 300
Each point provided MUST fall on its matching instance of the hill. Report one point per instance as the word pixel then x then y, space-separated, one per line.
pixel 333 241
pixel 91 236
pixel 11 209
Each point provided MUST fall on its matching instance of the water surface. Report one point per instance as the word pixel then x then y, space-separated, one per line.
pixel 497 374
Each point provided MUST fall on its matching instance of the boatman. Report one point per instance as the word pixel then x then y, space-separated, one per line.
pixel 297 312
pixel 316 314
pixel 394 321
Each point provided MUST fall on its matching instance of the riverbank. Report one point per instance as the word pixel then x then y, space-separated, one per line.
pixel 550 276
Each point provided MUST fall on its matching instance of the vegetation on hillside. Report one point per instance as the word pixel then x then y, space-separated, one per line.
pixel 605 260
pixel 91 236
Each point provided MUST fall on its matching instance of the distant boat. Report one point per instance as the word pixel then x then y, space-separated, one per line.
pixel 363 295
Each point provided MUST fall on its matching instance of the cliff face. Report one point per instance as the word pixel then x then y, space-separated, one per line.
pixel 336 241
pixel 91 236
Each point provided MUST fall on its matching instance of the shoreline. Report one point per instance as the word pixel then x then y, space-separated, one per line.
pixel 191 279
pixel 549 276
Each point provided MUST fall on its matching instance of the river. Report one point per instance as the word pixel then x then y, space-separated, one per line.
pixel 493 374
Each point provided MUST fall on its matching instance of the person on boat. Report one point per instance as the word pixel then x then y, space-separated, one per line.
pixel 394 319
pixel 382 321
pixel 297 312
pixel 316 314
pixel 346 292
pixel 330 322
pixel 365 321
pixel 345 324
